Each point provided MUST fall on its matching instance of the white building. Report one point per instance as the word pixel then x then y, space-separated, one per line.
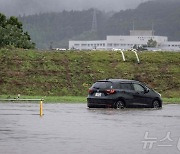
pixel 136 37
pixel 171 46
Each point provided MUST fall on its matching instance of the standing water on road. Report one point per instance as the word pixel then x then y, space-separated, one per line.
pixel 73 128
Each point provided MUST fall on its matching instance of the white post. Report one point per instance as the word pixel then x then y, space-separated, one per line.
pixel 137 57
pixel 123 55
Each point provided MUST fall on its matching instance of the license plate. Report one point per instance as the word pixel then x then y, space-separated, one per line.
pixel 98 94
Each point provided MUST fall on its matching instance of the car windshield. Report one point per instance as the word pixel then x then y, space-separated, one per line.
pixel 102 85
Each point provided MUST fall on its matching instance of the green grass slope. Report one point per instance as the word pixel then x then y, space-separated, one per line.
pixel 71 73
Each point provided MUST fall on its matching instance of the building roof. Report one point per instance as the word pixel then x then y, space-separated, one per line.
pixel 141 32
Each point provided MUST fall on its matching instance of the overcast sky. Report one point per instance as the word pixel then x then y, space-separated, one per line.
pixel 26 7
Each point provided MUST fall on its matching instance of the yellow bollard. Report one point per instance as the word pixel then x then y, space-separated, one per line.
pixel 41 108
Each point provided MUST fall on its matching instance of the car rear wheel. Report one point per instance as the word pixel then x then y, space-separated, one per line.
pixel 119 105
pixel 156 104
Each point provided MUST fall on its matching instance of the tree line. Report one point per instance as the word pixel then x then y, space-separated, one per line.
pixel 56 29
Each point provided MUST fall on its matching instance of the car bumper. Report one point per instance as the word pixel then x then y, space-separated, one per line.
pixel 100 103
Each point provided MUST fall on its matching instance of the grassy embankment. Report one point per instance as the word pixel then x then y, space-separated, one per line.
pixel 74 99
pixel 69 74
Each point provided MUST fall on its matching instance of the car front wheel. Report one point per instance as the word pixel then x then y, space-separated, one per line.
pixel 119 105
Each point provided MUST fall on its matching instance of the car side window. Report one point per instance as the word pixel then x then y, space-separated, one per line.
pixel 126 86
pixel 138 87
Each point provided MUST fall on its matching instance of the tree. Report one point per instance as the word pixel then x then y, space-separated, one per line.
pixel 2 20
pixel 14 21
pixel 151 43
pixel 11 34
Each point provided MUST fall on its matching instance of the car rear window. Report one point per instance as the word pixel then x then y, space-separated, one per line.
pixel 103 85
pixel 126 86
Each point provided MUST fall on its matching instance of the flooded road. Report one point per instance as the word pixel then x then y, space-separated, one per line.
pixel 75 129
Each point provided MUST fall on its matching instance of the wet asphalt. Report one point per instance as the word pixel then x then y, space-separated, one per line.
pixel 75 129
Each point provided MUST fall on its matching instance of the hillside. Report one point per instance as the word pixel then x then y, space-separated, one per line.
pixel 163 15
pixel 57 29
pixel 31 72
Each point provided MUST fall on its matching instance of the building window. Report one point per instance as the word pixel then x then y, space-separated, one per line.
pixel 116 44
pixel 109 44
pixel 76 44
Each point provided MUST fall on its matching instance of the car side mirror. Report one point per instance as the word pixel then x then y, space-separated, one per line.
pixel 146 90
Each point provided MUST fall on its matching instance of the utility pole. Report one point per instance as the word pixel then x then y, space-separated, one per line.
pixel 94 22
pixel 51 46
pixel 153 28
pixel 133 25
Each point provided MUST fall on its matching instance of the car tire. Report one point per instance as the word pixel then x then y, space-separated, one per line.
pixel 119 105
pixel 156 104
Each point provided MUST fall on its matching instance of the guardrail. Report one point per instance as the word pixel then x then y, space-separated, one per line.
pixel 18 99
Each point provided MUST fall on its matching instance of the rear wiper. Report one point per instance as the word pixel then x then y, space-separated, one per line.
pixel 95 87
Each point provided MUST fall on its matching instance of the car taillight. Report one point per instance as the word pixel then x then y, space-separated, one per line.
pixel 90 91
pixel 110 91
